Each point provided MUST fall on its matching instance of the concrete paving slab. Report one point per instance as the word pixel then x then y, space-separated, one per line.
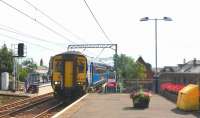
pixel 120 106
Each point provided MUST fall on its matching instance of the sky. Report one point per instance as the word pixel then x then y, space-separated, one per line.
pixel 177 40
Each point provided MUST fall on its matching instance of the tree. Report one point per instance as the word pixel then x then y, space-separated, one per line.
pixel 6 59
pixel 29 64
pixel 41 62
pixel 128 69
pixel 26 67
pixel 141 71
pixel 23 74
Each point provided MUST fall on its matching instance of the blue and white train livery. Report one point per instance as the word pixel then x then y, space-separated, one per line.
pixel 99 73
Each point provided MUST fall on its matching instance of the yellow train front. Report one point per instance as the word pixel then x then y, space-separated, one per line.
pixel 68 74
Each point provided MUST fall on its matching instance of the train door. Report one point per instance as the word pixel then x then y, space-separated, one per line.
pixel 68 81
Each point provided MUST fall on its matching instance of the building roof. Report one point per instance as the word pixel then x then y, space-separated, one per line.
pixel 169 69
pixel 190 66
pixel 141 61
pixel 41 70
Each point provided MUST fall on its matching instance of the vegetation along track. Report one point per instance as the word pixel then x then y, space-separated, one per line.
pixel 20 105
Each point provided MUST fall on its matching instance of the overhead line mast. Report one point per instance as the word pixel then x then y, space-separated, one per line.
pixel 103 46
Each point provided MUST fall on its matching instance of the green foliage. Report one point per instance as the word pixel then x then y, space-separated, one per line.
pixel 6 63
pixel 128 69
pixel 6 60
pixel 141 71
pixel 23 74
pixel 26 67
pixel 29 64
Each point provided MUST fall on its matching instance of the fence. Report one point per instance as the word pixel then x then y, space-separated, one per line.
pixel 136 84
pixel 179 80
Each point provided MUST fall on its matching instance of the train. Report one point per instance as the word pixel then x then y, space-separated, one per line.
pixel 71 74
pixel 99 73
pixel 32 83
pixel 68 74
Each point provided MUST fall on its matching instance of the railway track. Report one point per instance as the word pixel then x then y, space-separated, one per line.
pixel 44 106
pixel 44 109
pixel 47 113
pixel 20 105
pixel 22 102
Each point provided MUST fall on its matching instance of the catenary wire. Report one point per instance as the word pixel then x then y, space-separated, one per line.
pixel 94 17
pixel 12 30
pixel 43 25
pixel 99 53
pixel 56 22
pixel 10 37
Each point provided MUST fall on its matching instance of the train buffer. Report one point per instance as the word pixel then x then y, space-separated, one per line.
pixel 94 105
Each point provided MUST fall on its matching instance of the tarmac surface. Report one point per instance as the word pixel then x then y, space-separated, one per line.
pixel 120 106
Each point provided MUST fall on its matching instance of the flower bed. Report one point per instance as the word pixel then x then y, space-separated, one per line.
pixel 170 90
pixel 171 87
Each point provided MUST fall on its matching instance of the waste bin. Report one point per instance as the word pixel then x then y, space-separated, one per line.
pixel 188 98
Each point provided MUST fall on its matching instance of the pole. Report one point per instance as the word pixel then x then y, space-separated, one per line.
pixel 156 49
pixel 115 63
pixel 14 75
pixel 116 57
pixel 155 82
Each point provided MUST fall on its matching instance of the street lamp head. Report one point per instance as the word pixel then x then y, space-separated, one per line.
pixel 167 19
pixel 144 19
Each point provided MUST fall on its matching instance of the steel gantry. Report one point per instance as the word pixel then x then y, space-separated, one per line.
pixel 103 46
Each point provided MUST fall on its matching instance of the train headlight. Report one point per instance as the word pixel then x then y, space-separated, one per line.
pixel 57 82
pixel 79 83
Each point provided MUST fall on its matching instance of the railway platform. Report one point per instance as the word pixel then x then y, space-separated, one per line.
pixel 43 89
pixel 120 106
pixel 16 93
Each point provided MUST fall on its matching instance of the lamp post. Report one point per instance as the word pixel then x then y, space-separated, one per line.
pixel 156 64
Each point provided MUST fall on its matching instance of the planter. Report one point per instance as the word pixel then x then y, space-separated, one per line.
pixel 141 100
pixel 141 104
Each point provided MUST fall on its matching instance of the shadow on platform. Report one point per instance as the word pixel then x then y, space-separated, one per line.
pixel 133 108
pixel 195 113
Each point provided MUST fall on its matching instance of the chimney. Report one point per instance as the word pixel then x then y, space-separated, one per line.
pixel 184 61
pixel 195 62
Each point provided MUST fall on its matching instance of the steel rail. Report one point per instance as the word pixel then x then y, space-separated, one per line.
pixel 45 113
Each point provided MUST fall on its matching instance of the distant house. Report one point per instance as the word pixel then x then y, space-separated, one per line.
pixel 147 67
pixel 169 69
pixel 192 66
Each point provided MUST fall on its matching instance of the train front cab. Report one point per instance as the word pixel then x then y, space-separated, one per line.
pixel 69 75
